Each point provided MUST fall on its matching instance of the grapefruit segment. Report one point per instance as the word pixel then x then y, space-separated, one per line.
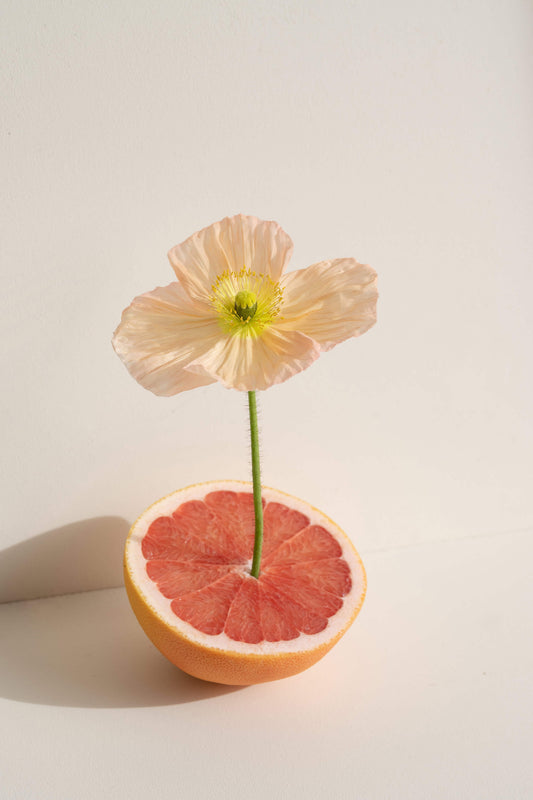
pixel 187 573
pixel 330 575
pixel 279 524
pixel 206 609
pixel 243 623
pixel 190 533
pixel 160 541
pixel 313 600
pixel 176 578
pixel 234 513
pixel 298 619
pixel 310 544
pixel 277 624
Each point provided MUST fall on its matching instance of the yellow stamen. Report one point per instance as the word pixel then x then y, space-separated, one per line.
pixel 246 303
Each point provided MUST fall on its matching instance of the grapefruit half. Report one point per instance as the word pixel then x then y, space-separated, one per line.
pixel 187 573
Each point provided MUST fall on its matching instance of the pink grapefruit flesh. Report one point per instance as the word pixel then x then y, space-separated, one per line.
pixel 187 568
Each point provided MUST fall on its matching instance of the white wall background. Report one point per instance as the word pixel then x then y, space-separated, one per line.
pixel 398 133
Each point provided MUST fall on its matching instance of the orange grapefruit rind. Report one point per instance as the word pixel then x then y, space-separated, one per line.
pixel 217 658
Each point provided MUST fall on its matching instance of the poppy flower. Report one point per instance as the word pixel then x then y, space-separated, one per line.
pixel 233 315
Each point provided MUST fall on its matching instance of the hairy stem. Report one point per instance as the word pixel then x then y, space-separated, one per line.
pixel 256 475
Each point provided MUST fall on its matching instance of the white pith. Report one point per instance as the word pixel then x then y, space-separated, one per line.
pixel 136 566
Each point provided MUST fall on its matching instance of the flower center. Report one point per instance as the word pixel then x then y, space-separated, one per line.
pixel 245 302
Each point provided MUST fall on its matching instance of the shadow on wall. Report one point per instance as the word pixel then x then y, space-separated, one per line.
pixel 78 557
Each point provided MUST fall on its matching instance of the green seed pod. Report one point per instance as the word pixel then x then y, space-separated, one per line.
pixel 245 304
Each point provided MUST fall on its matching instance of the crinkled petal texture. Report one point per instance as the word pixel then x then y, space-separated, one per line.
pixel 174 338
pixel 330 301
pixel 249 364
pixel 231 244
pixel 160 334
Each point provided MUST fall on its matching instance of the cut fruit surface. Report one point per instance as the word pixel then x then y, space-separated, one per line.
pixel 187 573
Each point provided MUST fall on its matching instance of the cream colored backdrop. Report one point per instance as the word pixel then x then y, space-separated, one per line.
pixel 398 133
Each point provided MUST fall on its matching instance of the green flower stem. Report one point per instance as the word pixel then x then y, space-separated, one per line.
pixel 256 474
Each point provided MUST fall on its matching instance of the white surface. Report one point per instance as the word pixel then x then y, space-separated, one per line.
pixel 399 133
pixel 427 696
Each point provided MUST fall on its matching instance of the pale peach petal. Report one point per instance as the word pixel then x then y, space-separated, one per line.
pixel 330 301
pixel 249 364
pixel 231 244
pixel 160 333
